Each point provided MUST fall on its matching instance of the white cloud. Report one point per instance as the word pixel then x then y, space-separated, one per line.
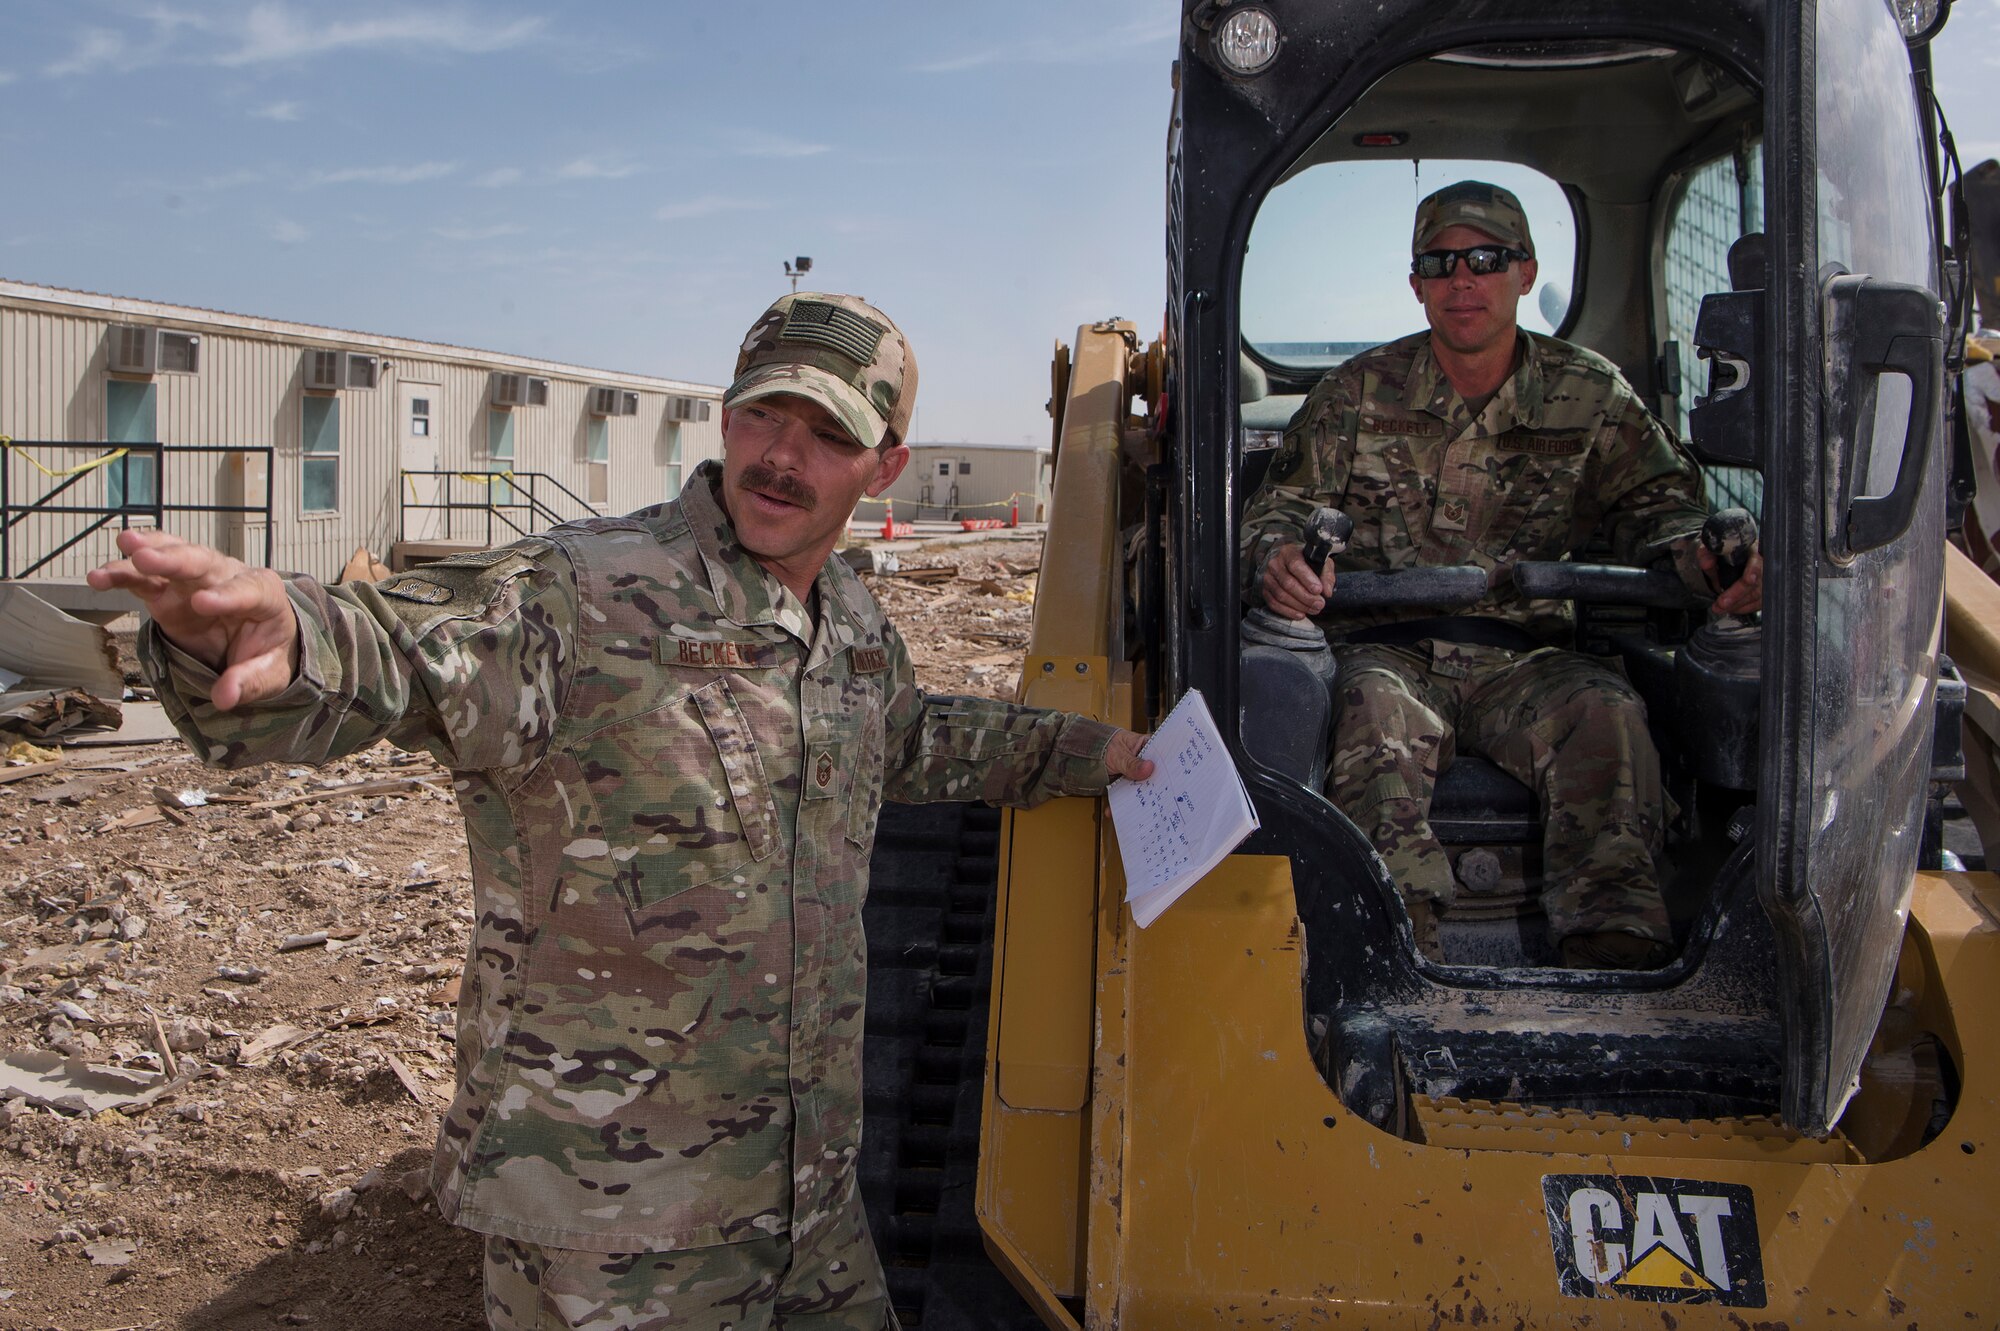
pixel 708 205
pixel 382 175
pixel 286 111
pixel 96 48
pixel 278 31
pixel 757 143
pixel 7 76
pixel 594 167
pixel 287 232
pixel 1070 49
pixel 283 32
pixel 229 179
pixel 467 235
pixel 499 176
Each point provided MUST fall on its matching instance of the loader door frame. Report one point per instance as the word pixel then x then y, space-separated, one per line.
pixel 1854 528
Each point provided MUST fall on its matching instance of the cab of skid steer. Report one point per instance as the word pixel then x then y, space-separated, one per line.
pixel 1738 204
pixel 1787 326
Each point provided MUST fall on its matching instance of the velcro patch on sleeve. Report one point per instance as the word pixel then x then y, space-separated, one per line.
pixel 409 588
pixel 711 654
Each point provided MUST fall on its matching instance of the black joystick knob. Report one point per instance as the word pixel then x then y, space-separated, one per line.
pixel 1730 535
pixel 1327 531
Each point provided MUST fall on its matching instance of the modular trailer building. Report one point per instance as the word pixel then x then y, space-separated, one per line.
pixel 952 481
pixel 294 445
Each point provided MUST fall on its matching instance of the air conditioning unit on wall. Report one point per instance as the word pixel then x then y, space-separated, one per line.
pixel 519 390
pixel 613 402
pixel 324 371
pixel 139 349
pixel 687 408
pixel 329 371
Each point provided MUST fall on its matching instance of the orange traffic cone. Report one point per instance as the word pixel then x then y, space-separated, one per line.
pixel 889 520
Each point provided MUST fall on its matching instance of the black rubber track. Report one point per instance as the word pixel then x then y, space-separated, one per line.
pixel 930 967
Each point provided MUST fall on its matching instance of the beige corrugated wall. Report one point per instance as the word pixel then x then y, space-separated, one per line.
pixel 997 472
pixel 249 392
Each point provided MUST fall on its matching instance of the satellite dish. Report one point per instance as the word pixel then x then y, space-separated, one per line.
pixel 1553 303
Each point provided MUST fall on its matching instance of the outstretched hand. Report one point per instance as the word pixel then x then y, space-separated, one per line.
pixel 219 610
pixel 1122 757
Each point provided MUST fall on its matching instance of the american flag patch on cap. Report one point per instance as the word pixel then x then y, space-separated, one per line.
pixel 852 335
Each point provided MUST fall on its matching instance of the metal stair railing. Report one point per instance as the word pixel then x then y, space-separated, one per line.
pixel 530 502
pixel 61 521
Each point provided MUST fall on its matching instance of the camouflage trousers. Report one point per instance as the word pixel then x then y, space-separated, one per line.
pixel 1569 728
pixel 831 1281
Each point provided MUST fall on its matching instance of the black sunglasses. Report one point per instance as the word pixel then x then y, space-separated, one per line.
pixel 1481 259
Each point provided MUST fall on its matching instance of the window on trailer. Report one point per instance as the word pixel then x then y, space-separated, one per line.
pixel 319 454
pixel 599 457
pixel 499 454
pixel 131 417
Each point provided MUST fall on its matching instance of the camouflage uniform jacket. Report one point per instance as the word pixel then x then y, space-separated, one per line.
pixel 1563 450
pixel 670 778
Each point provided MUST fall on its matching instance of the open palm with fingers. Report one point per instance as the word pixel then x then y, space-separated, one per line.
pixel 217 609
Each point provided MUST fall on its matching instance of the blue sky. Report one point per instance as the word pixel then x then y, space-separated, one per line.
pixel 618 184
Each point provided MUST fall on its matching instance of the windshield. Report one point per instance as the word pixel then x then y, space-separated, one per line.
pixel 1327 272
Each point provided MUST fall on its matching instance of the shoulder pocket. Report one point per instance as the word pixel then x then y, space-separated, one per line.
pixel 461 587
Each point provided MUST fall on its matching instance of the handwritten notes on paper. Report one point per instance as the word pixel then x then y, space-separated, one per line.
pixel 1180 822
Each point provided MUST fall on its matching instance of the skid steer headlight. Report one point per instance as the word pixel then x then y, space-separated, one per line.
pixel 1247 41
pixel 1920 19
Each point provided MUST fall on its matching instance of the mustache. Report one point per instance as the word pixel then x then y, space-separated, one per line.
pixel 757 476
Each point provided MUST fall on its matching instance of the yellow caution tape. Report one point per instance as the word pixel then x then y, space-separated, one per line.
pixel 7 442
pixel 1008 502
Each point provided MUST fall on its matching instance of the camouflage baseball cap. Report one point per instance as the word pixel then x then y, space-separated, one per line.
pixel 1476 204
pixel 841 352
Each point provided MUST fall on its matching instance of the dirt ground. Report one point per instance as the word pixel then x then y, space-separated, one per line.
pixel 279 949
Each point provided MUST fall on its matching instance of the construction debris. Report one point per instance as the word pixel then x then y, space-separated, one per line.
pixel 363 566
pixel 44 1078
pixel 57 673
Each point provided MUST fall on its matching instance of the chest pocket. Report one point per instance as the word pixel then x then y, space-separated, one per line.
pixel 1535 496
pixel 845 750
pixel 666 801
pixel 1381 486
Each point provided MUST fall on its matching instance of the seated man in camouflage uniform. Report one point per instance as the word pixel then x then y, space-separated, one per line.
pixel 1479 443
pixel 670 735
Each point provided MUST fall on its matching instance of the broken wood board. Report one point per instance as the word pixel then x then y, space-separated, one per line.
pixel 363 566
pixel 49 1079
pixel 388 785
pixel 55 958
pixel 144 723
pixel 282 1036
pixel 53 650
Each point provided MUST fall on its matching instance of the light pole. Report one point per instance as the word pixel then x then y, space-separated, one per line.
pixel 798 268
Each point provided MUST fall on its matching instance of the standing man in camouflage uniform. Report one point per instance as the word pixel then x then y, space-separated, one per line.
pixel 670 735
pixel 1479 443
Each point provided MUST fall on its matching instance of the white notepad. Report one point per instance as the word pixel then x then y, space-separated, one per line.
pixel 1180 822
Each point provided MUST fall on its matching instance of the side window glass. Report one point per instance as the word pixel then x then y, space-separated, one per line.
pixel 1720 201
pixel 1327 272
